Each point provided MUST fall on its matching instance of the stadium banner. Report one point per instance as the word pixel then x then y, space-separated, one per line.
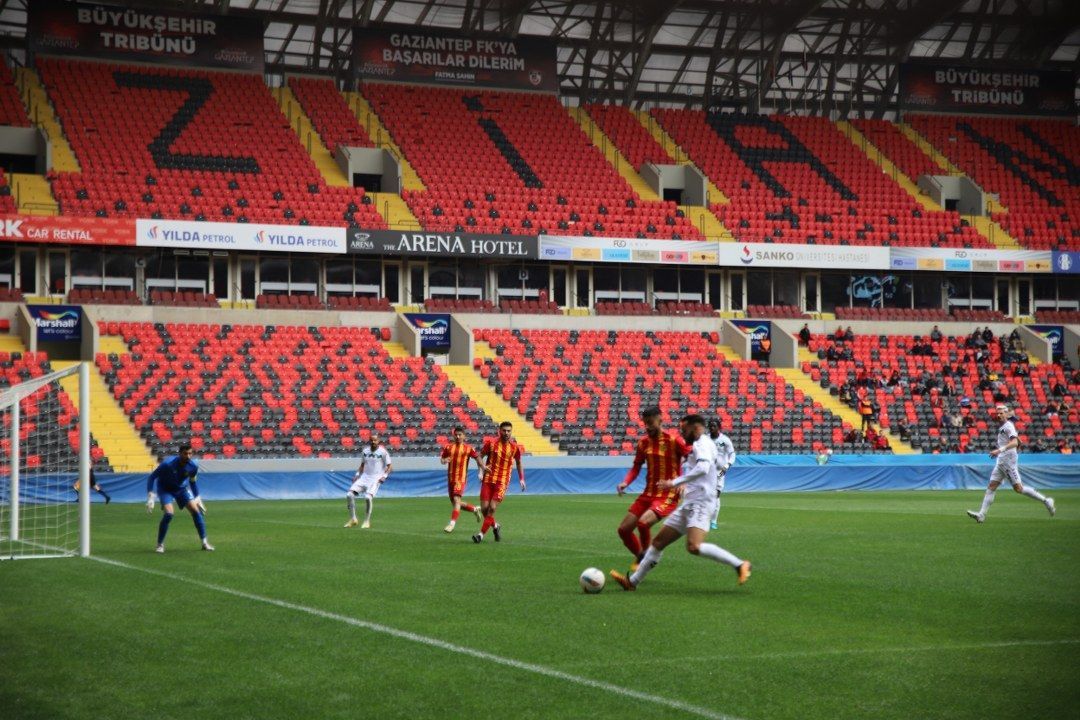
pixel 791 255
pixel 67 230
pixel 969 260
pixel 1055 334
pixel 239 236
pixel 407 54
pixel 57 323
pixel 628 250
pixel 140 34
pixel 449 244
pixel 956 88
pixel 758 330
pixel 433 328
pixel 1066 262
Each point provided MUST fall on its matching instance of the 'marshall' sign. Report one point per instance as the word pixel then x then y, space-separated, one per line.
pixel 414 244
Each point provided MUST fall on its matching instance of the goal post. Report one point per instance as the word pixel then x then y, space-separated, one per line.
pixel 44 457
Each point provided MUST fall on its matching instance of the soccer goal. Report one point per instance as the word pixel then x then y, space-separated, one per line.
pixel 44 456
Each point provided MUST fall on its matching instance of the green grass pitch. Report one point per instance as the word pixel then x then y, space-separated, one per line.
pixel 861 605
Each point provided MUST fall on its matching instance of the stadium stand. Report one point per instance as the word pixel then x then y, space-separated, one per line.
pixel 942 399
pixel 358 302
pixel 800 180
pixel 1031 164
pixel 19 367
pixel 627 307
pixel 329 114
pixel 775 311
pixel 11 295
pixel 865 313
pixel 899 148
pixel 462 305
pixel 629 135
pixel 690 309
pixel 279 391
pixel 183 298
pixel 12 110
pixel 512 163
pixel 1058 316
pixel 7 200
pixel 531 307
pixel 587 388
pixel 290 302
pixel 98 296
pixel 217 147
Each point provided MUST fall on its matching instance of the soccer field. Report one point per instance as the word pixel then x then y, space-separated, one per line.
pixel 861 605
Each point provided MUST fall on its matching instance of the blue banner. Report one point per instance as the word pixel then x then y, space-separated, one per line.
pixel 1055 334
pixel 1066 262
pixel 434 329
pixel 57 323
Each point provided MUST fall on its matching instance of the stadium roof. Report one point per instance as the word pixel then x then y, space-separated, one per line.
pixel 800 56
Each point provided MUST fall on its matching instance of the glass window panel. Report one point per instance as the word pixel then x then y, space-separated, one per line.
pixel 982 291
pixel 1069 293
pixel 581 289
pixel 471 280
pixel 716 287
pixel 558 293
pixel 28 271
pixel 605 282
pixel 443 281
pixel 786 288
pixel 834 291
pixel 221 276
pixel 86 268
pixel 392 282
pixel 737 289
pixel 692 284
pixel 1045 288
pixel 958 290
pixel 119 270
pixel 304 275
pixel 273 274
pixel 927 291
pixel 7 268
pixel 367 274
pixel 634 282
pixel 666 283
pixel 759 287
pixel 339 277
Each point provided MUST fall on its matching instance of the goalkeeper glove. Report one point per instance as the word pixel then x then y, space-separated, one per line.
pixel 150 502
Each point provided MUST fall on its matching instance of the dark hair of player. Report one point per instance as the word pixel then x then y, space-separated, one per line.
pixel 714 423
pixel 185 447
pixel 459 429
pixel 649 412
pixel 505 423
pixel 693 419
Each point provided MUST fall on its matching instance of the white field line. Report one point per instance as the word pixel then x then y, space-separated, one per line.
pixel 432 642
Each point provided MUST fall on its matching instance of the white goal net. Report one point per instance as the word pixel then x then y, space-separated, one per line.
pixel 44 457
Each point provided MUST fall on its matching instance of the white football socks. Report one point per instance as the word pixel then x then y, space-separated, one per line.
pixel 367 515
pixel 988 500
pixel 352 505
pixel 1033 494
pixel 719 554
pixel 652 557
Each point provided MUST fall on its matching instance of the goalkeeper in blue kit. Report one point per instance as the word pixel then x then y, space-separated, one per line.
pixel 174 481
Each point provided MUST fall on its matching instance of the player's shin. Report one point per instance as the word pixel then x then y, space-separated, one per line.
pixel 630 540
pixel 200 525
pixel 350 501
pixel 455 515
pixel 645 533
pixel 988 500
pixel 652 557
pixel 719 554
pixel 1032 493
pixel 163 527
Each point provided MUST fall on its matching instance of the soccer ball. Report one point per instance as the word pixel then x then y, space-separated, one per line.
pixel 592 580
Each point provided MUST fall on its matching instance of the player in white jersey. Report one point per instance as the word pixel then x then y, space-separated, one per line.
pixel 725 458
pixel 692 517
pixel 375 467
pixel 1007 467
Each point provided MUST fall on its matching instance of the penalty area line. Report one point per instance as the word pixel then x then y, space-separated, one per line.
pixel 433 642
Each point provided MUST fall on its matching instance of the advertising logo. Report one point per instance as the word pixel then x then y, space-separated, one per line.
pixel 747 257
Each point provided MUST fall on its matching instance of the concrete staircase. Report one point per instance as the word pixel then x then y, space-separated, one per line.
pixel 309 137
pixel 395 211
pixel 676 153
pixel 109 424
pixel 42 114
pixel 801 381
pixel 993 232
pixel 707 223
pixel 395 349
pixel 887 165
pixel 33 195
pixel 498 410
pixel 612 154
pixel 380 136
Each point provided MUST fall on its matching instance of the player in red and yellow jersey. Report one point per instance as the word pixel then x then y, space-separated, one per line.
pixel 501 454
pixel 456 457
pixel 662 454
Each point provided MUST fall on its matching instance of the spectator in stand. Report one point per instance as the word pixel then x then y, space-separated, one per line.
pixel 866 409
pixel 935 334
pixel 839 334
pixel 831 353
pixel 1060 390
pixel 1021 370
pixel 804 334
pixel 1053 407
pixel 894 379
pixel 1038 446
pixel 1075 378
pixel 948 387
pixel 1063 447
pixel 955 419
pixel 847 353
pixel 848 334
pixel 987 335
pixel 882 443
pixel 845 394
